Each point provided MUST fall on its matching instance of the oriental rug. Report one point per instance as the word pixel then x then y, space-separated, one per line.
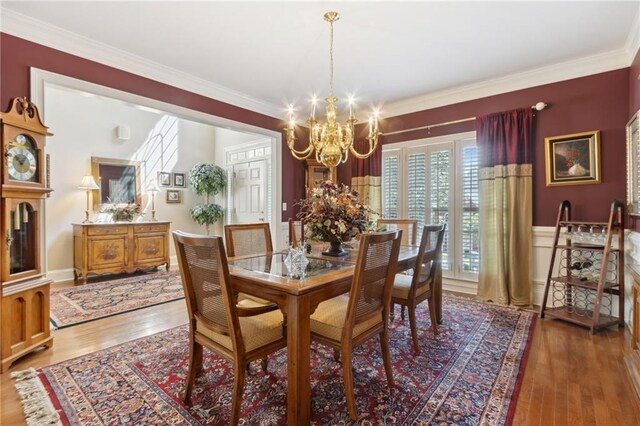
pixel 469 374
pixel 88 302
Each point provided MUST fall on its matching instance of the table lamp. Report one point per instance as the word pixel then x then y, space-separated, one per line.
pixel 88 183
pixel 152 188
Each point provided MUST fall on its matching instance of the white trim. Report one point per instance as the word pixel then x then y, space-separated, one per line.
pixel 603 62
pixel 41 79
pixel 40 32
pixel 632 45
pixel 49 35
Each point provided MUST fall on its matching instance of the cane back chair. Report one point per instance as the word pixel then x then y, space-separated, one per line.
pixel 411 290
pixel 349 320
pixel 239 334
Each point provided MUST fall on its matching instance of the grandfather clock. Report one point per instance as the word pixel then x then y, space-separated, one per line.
pixel 25 290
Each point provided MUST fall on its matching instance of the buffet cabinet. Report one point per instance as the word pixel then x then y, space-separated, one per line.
pixel 100 248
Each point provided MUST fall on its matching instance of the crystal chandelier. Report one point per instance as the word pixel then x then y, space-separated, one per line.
pixel 331 140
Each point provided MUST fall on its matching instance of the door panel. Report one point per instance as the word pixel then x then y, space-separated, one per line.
pixel 249 190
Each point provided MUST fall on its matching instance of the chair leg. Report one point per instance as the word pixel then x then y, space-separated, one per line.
pixel 414 328
pixel 336 355
pixel 264 363
pixel 195 365
pixel 392 311
pixel 433 315
pixel 348 383
pixel 238 387
pixel 384 346
pixel 402 312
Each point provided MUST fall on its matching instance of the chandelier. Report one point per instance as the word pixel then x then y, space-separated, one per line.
pixel 331 141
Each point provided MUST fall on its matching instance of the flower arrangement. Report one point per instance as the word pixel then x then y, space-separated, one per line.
pixel 123 212
pixel 333 213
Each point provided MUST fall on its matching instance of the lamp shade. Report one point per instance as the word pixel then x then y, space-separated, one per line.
pixel 152 187
pixel 88 183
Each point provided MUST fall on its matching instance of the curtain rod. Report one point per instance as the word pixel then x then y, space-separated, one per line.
pixel 538 107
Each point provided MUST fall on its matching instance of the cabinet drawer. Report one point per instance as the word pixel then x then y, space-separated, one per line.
pixel 107 230
pixel 145 229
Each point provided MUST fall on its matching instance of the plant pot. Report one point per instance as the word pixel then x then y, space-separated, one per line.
pixel 335 249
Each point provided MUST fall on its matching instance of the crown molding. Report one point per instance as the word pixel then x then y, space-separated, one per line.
pixel 40 32
pixel 632 45
pixel 582 67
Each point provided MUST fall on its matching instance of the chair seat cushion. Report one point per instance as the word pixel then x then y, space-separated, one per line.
pixel 257 331
pixel 328 319
pixel 244 296
pixel 402 285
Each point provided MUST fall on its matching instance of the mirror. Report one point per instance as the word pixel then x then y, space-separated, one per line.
pixel 633 165
pixel 119 181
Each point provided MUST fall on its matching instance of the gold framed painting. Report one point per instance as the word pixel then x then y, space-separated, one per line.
pixel 573 159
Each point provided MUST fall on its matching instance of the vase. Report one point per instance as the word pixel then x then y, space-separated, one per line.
pixel 335 249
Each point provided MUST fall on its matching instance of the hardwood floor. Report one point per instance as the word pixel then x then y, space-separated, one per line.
pixel 571 378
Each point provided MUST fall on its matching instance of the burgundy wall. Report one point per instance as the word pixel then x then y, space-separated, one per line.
pixel 597 102
pixel 634 85
pixel 18 55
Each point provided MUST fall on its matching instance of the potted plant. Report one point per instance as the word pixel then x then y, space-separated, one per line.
pixel 208 180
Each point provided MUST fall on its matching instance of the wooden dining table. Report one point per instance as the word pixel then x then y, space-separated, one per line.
pixel 266 276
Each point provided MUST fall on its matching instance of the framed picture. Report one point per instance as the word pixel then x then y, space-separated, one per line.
pixel 179 180
pixel 164 178
pixel 573 159
pixel 174 196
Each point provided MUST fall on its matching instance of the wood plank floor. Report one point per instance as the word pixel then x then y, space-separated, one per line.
pixel 571 378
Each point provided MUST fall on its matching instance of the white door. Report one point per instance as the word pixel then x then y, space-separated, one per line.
pixel 249 188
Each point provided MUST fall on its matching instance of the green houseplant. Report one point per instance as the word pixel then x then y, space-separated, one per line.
pixel 208 180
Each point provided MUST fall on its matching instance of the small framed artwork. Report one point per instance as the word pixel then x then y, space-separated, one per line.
pixel 164 178
pixel 174 196
pixel 573 159
pixel 179 180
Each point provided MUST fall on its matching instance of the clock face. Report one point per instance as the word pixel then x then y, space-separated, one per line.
pixel 21 159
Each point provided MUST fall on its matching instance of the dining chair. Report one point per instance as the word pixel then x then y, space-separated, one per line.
pixel 249 238
pixel 409 229
pixel 411 290
pixel 239 334
pixel 296 232
pixel 349 320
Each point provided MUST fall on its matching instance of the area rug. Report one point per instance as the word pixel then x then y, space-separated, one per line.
pixel 469 374
pixel 88 302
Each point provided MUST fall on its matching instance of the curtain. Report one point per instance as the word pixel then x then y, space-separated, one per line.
pixel 505 179
pixel 366 176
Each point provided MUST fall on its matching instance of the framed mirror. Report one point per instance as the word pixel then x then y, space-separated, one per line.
pixel 633 165
pixel 119 181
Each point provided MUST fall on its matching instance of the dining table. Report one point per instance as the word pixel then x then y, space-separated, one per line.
pixel 266 276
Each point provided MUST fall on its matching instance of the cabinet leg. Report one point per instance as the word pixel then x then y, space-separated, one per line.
pixel 168 266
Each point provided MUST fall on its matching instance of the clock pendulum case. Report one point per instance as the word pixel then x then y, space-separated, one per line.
pixel 24 310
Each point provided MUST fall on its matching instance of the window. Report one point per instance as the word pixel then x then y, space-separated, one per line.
pixel 435 181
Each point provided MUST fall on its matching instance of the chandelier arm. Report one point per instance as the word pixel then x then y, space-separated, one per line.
pixel 372 148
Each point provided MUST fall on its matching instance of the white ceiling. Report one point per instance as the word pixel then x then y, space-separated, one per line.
pixel 385 52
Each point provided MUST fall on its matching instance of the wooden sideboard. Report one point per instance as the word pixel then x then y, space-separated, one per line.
pixel 100 248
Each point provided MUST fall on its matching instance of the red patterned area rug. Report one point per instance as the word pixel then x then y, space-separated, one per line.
pixel 88 302
pixel 469 374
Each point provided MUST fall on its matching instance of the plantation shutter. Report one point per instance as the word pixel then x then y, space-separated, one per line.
pixel 439 188
pixel 417 188
pixel 470 211
pixel 390 170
